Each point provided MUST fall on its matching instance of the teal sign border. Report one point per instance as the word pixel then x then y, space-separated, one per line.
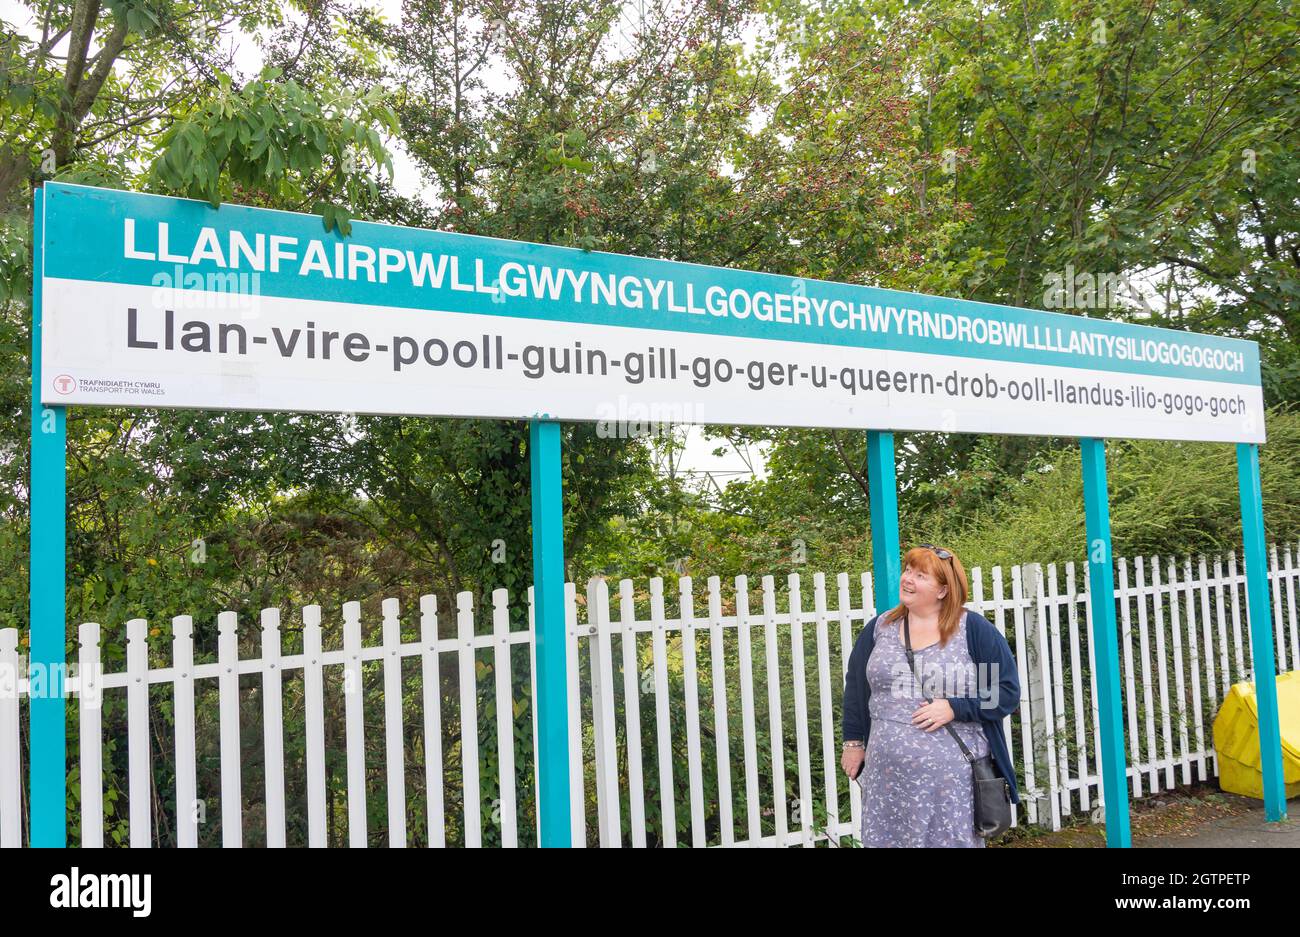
pixel 85 240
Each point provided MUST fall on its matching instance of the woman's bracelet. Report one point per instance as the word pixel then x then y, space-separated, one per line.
pixel 852 743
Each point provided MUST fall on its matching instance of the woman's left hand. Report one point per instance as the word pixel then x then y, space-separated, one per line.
pixel 933 715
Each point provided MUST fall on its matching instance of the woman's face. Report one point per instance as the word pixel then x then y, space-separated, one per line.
pixel 920 591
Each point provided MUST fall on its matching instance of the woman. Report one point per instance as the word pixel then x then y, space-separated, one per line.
pixel 917 786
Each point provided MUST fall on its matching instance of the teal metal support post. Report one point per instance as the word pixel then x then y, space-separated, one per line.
pixel 46 584
pixel 1261 630
pixel 1105 649
pixel 548 620
pixel 883 488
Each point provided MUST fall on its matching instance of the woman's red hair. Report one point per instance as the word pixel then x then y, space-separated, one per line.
pixel 948 573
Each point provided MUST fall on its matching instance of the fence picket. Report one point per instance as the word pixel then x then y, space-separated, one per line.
pixel 468 685
pixel 830 765
pixel 139 772
pixel 11 783
pixel 846 649
pixel 799 686
pixel 1291 574
pixel 777 742
pixel 431 703
pixel 1076 686
pixel 1180 685
pixel 1094 718
pixel 273 727
pixel 602 699
pixel 1244 666
pixel 313 696
pixel 632 711
pixel 1045 684
pixel 848 640
pixel 744 645
pixel 1144 646
pixel 90 710
pixel 505 705
pixel 1194 665
pixel 691 689
pixel 394 747
pixel 999 597
pixel 1207 625
pixel 1130 687
pixel 663 725
pixel 1228 677
pixel 577 777
pixel 228 700
pixel 1020 601
pixel 354 724
pixel 721 731
pixel 1279 632
pixel 1162 672
pixel 1062 780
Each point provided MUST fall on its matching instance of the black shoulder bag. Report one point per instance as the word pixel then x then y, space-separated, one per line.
pixel 992 794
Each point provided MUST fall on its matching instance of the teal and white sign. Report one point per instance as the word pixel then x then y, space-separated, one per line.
pixel 155 301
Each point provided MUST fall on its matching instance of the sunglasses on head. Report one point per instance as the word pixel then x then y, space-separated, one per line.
pixel 938 551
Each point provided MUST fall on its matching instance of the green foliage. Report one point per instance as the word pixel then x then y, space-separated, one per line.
pixel 807 515
pixel 275 139
pixel 1166 498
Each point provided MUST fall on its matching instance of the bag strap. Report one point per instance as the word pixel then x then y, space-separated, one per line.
pixel 911 663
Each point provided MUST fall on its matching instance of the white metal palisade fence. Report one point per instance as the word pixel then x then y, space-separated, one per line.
pixel 717 749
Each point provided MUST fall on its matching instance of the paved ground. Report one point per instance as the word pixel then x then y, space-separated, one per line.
pixel 1192 818
pixel 1246 829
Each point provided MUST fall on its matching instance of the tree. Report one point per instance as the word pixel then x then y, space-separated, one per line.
pixel 1128 141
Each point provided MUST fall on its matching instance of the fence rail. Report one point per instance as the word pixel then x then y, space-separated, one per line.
pixel 709 729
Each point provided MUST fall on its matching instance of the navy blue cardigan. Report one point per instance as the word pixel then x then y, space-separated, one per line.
pixel 986 646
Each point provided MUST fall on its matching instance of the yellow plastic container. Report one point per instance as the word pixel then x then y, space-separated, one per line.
pixel 1236 738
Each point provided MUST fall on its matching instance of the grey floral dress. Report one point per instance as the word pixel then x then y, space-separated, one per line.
pixel 917 788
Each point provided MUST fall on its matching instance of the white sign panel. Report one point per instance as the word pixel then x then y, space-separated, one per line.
pixel 160 302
